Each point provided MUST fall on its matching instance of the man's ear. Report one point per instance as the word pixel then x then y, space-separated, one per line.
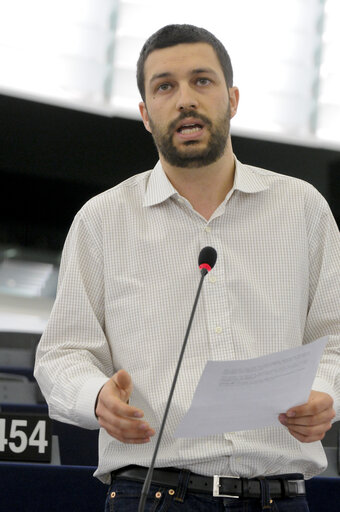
pixel 145 116
pixel 234 96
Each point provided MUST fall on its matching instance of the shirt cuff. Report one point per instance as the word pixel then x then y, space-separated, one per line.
pixel 323 386
pixel 85 406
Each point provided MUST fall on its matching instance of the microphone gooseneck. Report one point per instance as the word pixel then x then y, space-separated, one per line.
pixel 206 261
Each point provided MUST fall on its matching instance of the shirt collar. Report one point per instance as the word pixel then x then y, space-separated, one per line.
pixel 248 179
pixel 159 188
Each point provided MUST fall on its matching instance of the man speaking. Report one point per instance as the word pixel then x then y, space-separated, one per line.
pixel 127 282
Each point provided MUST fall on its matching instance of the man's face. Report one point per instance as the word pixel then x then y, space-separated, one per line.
pixel 187 107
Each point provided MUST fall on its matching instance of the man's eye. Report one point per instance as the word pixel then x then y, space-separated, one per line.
pixel 164 87
pixel 203 81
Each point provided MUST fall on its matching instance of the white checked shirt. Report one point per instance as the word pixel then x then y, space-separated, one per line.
pixel 128 279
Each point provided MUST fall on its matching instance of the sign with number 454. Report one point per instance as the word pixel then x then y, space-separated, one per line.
pixel 25 437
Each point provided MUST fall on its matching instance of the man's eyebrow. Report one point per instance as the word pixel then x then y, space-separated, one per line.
pixel 167 74
pixel 203 70
pixel 160 75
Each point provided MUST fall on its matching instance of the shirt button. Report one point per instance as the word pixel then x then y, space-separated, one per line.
pixel 207 229
pixel 226 436
pixel 212 279
pixel 218 330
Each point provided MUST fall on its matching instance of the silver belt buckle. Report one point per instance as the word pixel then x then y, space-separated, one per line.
pixel 297 487
pixel 216 486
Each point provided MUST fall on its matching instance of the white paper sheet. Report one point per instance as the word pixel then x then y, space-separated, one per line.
pixel 251 393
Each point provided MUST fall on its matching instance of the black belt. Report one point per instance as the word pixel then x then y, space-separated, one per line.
pixel 280 486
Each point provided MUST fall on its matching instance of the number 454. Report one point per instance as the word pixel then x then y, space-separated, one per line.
pixel 37 437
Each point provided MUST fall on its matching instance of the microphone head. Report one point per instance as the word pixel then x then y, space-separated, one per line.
pixel 207 258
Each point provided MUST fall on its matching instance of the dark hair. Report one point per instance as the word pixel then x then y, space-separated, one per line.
pixel 171 35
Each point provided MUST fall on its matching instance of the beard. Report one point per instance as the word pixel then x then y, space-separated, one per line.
pixel 192 156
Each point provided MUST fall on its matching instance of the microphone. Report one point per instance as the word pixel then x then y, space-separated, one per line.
pixel 206 261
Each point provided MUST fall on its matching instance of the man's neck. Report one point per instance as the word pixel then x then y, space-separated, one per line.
pixel 204 187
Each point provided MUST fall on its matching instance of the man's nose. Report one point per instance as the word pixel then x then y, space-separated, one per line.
pixel 186 98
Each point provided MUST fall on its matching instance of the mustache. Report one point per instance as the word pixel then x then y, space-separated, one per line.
pixel 188 113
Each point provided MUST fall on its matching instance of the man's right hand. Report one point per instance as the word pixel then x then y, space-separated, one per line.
pixel 119 419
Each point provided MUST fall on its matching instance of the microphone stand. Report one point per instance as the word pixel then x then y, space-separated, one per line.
pixel 148 478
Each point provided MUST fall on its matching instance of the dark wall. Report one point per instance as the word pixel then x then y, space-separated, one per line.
pixel 52 160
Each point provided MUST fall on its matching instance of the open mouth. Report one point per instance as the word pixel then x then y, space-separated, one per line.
pixel 190 128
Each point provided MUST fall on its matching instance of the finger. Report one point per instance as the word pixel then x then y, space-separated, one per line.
pixel 311 431
pixel 118 417
pixel 127 434
pixel 130 428
pixel 318 419
pixel 122 379
pixel 307 438
pixel 123 382
pixel 117 407
pixel 127 440
pixel 313 407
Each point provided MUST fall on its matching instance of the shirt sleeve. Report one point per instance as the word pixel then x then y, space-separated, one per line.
pixel 73 359
pixel 323 317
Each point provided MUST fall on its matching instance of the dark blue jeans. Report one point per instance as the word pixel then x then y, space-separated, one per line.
pixel 124 495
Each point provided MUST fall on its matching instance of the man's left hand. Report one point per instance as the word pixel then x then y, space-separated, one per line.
pixel 310 422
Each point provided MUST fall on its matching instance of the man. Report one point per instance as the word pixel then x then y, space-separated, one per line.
pixel 127 284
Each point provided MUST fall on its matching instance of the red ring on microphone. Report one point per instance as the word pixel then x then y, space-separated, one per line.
pixel 206 266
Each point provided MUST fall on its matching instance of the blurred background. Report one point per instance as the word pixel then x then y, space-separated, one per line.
pixel 70 128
